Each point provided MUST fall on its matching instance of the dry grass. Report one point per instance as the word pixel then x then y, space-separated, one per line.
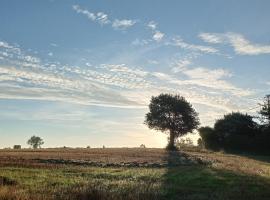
pixel 30 174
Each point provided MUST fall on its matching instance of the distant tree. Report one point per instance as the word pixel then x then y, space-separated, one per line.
pixel 236 131
pixel 35 142
pixel 187 142
pixel 209 138
pixel 142 146
pixel 265 111
pixel 171 114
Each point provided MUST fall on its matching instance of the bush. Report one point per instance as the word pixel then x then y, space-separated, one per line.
pixel 17 147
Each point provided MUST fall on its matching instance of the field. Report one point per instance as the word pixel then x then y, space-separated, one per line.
pixel 131 173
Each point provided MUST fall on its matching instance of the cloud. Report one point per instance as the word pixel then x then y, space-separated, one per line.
pixel 5 45
pixel 180 43
pixel 153 62
pixel 123 24
pixel 31 59
pixel 239 43
pixel 54 45
pixel 115 85
pixel 138 42
pixel 209 80
pixel 152 25
pixel 28 77
pixel 85 12
pixel 213 79
pixel 158 36
pixel 103 18
pixel 211 38
pixel 204 73
pixel 25 84
pixel 180 65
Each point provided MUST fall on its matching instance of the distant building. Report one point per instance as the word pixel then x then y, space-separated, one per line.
pixel 17 146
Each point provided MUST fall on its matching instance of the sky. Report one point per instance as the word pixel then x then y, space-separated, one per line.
pixel 79 73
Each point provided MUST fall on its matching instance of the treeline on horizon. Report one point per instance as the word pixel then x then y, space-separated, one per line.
pixel 239 132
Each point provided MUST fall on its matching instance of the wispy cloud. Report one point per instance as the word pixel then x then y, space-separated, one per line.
pixel 180 65
pixel 114 85
pixel 99 17
pixel 54 45
pixel 90 15
pixel 103 18
pixel 241 45
pixel 152 25
pixel 211 38
pixel 139 42
pixel 122 24
pixel 180 43
pixel 157 35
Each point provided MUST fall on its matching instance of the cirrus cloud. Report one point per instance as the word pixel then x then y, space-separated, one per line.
pixel 240 44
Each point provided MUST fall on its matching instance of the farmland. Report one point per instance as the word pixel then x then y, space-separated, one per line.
pixel 131 173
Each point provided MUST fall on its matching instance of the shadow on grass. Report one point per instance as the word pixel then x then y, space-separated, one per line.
pixel 202 182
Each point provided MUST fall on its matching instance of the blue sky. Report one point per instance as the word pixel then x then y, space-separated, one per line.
pixel 81 73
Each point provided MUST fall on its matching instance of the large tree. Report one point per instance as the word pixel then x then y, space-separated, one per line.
pixel 236 131
pixel 35 142
pixel 171 114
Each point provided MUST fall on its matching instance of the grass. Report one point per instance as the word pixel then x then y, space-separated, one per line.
pixel 226 177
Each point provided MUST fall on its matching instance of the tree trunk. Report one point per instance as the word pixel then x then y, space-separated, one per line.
pixel 171 145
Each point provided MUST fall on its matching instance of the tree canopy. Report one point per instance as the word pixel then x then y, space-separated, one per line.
pixel 35 142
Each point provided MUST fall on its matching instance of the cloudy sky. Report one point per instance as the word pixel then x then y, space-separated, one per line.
pixel 81 73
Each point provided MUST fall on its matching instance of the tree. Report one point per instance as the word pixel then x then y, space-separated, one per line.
pixel 171 114
pixel 182 143
pixel 265 111
pixel 35 142
pixel 142 146
pixel 209 138
pixel 236 131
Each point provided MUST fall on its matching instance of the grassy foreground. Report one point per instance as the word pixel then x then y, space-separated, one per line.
pixel 225 177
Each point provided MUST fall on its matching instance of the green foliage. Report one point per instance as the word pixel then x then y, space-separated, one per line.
pixel 35 142
pixel 173 114
pixel 236 131
pixel 209 138
pixel 183 143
